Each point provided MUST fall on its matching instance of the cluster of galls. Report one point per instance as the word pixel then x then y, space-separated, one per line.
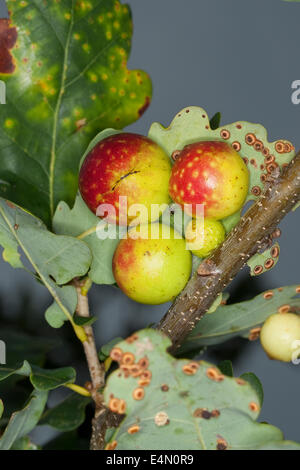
pixel 149 269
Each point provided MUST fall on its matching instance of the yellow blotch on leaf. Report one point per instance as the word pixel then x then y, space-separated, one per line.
pixel 9 123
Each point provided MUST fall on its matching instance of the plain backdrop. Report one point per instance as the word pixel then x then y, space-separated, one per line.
pixel 239 57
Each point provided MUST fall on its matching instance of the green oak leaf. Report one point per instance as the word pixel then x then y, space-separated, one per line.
pixel 215 121
pixel 41 379
pixel 226 367
pixel 18 369
pixel 66 79
pixel 54 315
pixel 187 405
pixel 49 379
pixel 23 421
pixel 229 321
pixel 55 259
pixel 68 414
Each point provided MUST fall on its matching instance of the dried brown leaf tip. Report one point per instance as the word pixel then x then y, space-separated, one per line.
pixel 222 444
pixel 253 406
pixel 111 445
pixel 214 374
pixel 190 368
pixel 133 429
pixel 254 333
pixel 161 418
pixel 8 39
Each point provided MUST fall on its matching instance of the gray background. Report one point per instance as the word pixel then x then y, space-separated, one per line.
pixel 234 56
pixel 3 9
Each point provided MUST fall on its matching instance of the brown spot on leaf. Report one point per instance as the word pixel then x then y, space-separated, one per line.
pixel 121 407
pixel 214 374
pixel 134 370
pixel 111 445
pixel 133 429
pixel 138 393
pixel 144 362
pixel 144 382
pixel 269 263
pixel 240 381
pixel 202 413
pixel 250 139
pixel 164 388
pixel 116 354
pixel 191 368
pixel 128 358
pixel 113 405
pixel 225 134
pixel 256 191
pixel 258 145
pixel 236 146
pixel 146 375
pixel 8 39
pixel 284 308
pixel 254 333
pixel 268 295
pixel 132 338
pixel 275 251
pixel 221 444
pixel 253 406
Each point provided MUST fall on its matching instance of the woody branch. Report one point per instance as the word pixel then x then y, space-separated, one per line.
pixel 252 234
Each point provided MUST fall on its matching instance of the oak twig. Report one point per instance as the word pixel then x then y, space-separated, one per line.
pixel 250 235
pixel 104 418
pixel 97 370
